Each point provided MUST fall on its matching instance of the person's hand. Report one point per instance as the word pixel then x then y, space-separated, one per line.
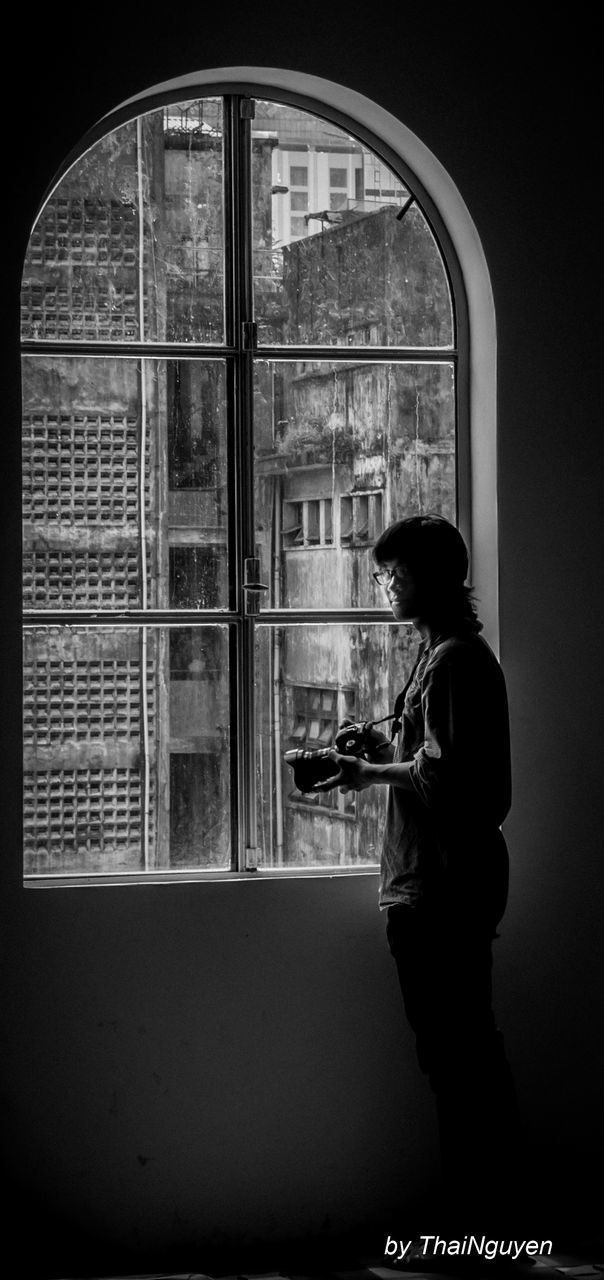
pixel 378 747
pixel 353 774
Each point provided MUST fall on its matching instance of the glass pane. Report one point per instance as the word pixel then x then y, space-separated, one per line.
pixel 126 749
pixel 197 484
pixel 367 443
pixel 309 679
pixel 86 425
pixel 342 252
pixel 130 245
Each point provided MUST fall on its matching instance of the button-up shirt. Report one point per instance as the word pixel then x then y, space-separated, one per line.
pixel 442 840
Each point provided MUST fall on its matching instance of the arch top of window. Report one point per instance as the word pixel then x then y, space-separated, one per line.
pixel 341 253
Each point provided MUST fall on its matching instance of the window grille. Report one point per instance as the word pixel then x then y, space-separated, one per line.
pixel 80 470
pixel 94 312
pixel 361 518
pixel 83 231
pixel 83 702
pixel 308 523
pixel 76 814
pixel 81 579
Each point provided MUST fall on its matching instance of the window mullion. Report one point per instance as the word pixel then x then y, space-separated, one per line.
pixel 241 268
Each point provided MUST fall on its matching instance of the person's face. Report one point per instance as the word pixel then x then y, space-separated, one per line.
pixel 401 589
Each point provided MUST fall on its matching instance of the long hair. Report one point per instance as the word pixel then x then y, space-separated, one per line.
pixel 436 556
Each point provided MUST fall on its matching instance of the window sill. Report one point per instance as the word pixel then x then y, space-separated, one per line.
pixel 194 877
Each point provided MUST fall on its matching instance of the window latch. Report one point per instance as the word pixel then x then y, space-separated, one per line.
pixel 252 586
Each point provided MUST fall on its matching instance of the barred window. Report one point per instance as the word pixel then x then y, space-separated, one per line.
pixel 360 518
pixel 308 523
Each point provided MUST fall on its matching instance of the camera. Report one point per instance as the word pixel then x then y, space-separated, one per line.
pixel 311 767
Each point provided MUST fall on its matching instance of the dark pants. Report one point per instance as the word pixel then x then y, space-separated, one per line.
pixel 444 967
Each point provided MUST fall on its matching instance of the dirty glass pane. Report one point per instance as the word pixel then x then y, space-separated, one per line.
pixel 341 451
pixel 130 245
pixel 343 254
pixel 308 680
pixel 196 484
pixel 124 483
pixel 126 744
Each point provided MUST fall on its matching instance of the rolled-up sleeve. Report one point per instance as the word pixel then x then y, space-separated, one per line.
pixel 443 763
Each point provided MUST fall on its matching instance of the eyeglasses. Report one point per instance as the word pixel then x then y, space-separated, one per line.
pixel 384 576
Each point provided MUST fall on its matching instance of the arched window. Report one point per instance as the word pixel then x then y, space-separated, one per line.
pixel 244 353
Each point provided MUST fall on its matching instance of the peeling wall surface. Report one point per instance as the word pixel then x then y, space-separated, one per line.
pixel 192 1068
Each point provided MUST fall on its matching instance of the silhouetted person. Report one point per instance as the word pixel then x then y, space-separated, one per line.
pixel 444 866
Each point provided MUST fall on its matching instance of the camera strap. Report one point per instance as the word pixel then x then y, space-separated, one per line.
pixel 400 698
pixel 397 723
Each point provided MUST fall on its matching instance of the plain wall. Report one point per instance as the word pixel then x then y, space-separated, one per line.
pixel 189 1069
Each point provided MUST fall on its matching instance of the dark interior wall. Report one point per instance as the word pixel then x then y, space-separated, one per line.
pixel 216 1063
